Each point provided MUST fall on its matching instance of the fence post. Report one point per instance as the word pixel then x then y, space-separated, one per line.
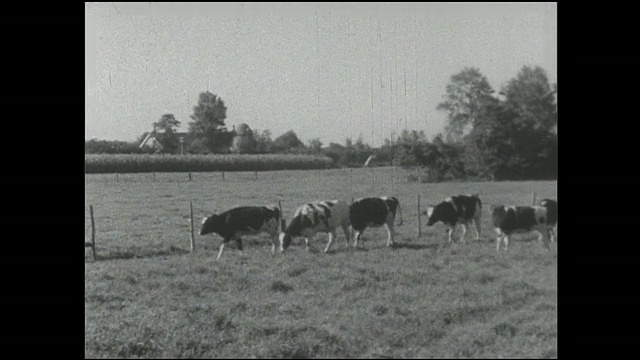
pixel 193 240
pixel 117 178
pixel 223 176
pixel 93 233
pixel 189 176
pixel 419 219
pixel 154 176
pixel 256 173
pixel 533 198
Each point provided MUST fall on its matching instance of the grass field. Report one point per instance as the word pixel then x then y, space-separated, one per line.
pixel 141 163
pixel 147 297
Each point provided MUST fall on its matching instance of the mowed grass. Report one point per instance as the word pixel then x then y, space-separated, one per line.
pixel 147 296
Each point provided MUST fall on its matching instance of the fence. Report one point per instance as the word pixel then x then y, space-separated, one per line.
pixel 158 215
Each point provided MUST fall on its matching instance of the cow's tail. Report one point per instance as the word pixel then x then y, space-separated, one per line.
pixel 400 211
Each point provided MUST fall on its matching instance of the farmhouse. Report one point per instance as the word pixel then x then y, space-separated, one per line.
pixel 151 140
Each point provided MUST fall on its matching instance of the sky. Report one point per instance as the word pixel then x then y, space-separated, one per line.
pixel 324 70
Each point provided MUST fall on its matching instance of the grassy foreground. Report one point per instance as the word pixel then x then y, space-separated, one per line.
pixel 147 297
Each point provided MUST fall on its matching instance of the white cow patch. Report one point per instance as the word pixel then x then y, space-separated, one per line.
pixel 430 211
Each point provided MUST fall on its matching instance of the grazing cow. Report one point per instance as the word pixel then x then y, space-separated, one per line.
pixel 552 217
pixel 462 209
pixel 315 217
pixel 518 219
pixel 243 220
pixel 374 212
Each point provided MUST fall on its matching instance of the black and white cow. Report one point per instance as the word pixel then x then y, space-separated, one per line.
pixel 518 219
pixel 374 212
pixel 462 209
pixel 243 220
pixel 552 217
pixel 315 217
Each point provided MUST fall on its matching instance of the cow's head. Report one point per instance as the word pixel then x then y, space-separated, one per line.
pixel 432 216
pixel 497 211
pixel 208 224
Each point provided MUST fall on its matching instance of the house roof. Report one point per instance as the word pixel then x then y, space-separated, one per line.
pixel 153 133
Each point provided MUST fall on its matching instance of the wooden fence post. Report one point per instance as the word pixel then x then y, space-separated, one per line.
pixel 223 176
pixel 93 233
pixel 154 176
pixel 533 198
pixel 419 219
pixel 256 173
pixel 117 178
pixel 189 176
pixel 193 240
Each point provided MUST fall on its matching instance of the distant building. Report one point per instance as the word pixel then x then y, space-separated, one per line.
pixel 151 140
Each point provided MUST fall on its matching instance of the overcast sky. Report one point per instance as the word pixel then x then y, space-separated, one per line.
pixel 324 70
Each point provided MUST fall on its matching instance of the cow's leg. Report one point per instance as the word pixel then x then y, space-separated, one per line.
pixel 506 242
pixel 543 236
pixel 345 229
pixel 239 241
pixel 306 243
pixel 274 242
pixel 221 248
pixel 553 233
pixel 476 222
pixel 332 234
pixel 389 234
pixel 499 239
pixel 357 236
pixel 464 231
pixel 450 230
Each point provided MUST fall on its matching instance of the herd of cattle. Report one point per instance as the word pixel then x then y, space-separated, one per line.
pixel 327 216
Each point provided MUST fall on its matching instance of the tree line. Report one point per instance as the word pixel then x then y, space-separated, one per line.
pixel 508 135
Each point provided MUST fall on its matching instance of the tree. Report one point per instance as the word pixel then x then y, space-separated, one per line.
pixel 410 149
pixel 315 145
pixel 264 143
pixel 244 142
pixel 361 152
pixel 467 93
pixel 288 142
pixel 338 154
pixel 208 128
pixel 164 132
pixel 492 150
pixel 532 98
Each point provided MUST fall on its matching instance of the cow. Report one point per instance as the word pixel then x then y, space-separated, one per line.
pixel 374 212
pixel 461 209
pixel 552 217
pixel 243 220
pixel 518 219
pixel 315 217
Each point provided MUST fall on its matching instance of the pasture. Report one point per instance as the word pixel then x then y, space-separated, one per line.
pixel 148 297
